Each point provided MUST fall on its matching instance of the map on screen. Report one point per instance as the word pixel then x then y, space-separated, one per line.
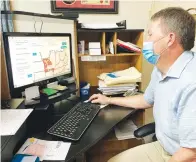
pixel 35 59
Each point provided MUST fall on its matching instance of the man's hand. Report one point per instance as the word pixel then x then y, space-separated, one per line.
pixel 137 101
pixel 99 98
pixel 184 155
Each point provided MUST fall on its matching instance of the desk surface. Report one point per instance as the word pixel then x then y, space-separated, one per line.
pixel 103 123
pixel 100 127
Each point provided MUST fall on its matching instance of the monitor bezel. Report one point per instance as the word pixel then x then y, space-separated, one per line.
pixel 15 92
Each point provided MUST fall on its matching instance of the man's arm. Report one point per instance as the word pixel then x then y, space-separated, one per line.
pixel 184 155
pixel 137 101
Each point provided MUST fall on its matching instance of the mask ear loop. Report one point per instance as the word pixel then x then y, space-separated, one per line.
pixel 159 39
pixel 192 11
pixel 162 50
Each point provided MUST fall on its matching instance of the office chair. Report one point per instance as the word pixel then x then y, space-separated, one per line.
pixel 145 131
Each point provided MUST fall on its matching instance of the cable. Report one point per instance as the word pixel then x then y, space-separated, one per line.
pixel 41 26
pixel 35 25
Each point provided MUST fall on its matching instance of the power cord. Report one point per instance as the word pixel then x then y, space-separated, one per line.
pixel 35 25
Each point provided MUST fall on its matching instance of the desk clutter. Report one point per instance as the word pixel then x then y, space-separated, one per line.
pixel 35 150
pixel 33 93
pixel 120 82
pixel 94 48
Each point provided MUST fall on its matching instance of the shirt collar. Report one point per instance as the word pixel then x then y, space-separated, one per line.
pixel 178 66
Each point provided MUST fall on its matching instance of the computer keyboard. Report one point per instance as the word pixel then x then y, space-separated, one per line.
pixel 73 124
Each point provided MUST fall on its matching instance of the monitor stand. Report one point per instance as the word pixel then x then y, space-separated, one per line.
pixel 47 100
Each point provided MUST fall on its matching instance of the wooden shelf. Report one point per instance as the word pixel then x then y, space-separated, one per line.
pixel 127 54
pixel 110 30
pixel 113 55
pixel 88 70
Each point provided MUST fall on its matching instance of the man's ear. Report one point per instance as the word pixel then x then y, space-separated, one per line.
pixel 171 39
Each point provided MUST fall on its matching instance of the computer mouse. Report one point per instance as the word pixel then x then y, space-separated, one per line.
pixel 86 101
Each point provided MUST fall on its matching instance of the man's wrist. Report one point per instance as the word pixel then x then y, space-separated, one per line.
pixel 109 100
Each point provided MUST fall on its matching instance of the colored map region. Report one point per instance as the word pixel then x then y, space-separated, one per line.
pixel 56 62
pixel 47 64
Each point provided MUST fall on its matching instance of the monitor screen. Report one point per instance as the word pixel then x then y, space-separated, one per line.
pixel 36 57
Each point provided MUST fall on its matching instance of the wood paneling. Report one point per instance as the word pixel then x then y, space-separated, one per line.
pixel 75 68
pixel 109 147
pixel 138 64
pixel 103 44
pixel 89 71
pixel 4 79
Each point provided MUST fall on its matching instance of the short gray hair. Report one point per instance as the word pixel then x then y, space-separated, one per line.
pixel 180 22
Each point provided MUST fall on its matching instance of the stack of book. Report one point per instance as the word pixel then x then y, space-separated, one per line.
pixel 119 82
pixel 127 47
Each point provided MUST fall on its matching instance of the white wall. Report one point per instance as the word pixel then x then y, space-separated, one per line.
pixel 26 23
pixel 137 13
pixel 184 4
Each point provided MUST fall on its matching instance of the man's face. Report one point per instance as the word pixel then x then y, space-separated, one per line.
pixel 156 35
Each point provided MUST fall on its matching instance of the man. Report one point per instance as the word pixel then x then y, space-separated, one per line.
pixel 171 91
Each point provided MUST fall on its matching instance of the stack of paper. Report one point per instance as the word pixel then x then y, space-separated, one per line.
pixel 45 150
pixel 116 89
pixel 125 130
pixel 119 82
pixel 12 119
pixel 94 48
pixel 99 26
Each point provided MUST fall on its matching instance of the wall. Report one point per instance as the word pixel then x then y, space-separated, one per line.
pixel 184 4
pixel 26 23
pixel 136 14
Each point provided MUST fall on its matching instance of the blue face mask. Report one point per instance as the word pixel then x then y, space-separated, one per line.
pixel 148 53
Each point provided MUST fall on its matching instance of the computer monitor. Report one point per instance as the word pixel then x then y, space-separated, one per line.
pixel 36 57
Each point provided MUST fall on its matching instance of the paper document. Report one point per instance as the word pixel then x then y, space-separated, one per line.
pixel 29 158
pixel 12 119
pixel 99 26
pixel 45 150
pixel 129 88
pixel 32 92
pixel 125 130
pixel 130 75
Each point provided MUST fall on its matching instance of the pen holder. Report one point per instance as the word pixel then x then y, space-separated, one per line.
pixel 84 90
pixel 84 93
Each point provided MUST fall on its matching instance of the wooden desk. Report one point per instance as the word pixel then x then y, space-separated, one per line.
pixel 110 146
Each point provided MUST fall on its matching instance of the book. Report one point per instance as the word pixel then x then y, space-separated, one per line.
pixel 123 50
pixel 128 46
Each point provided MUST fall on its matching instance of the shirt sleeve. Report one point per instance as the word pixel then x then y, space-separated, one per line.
pixel 149 92
pixel 187 118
